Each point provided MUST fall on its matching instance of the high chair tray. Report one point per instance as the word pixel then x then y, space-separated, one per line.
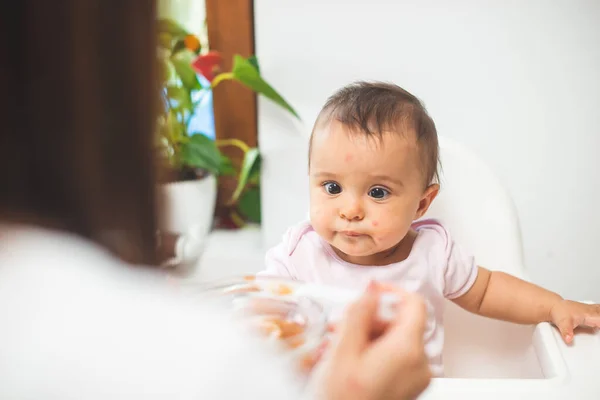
pixel 489 359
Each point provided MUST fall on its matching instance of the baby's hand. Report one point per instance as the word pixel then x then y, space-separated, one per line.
pixel 568 315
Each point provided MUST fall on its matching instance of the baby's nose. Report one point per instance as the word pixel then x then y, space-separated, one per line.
pixel 352 211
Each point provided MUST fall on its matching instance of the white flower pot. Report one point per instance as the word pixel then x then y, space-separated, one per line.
pixel 189 211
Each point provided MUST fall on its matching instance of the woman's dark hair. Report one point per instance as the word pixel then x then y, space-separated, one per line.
pixel 78 94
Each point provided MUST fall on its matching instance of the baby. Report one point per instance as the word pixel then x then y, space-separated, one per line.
pixel 373 163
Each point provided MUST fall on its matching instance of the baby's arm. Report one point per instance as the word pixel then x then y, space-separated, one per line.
pixel 502 296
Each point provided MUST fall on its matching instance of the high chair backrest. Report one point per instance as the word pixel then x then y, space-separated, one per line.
pixel 472 202
pixel 478 210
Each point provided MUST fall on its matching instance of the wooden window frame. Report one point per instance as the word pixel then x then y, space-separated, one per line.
pixel 230 29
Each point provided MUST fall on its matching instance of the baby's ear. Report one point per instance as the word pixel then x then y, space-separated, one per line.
pixel 428 196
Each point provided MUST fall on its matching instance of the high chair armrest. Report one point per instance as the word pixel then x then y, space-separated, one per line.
pixel 582 356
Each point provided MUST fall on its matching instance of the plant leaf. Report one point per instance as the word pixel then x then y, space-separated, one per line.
pixel 246 73
pixel 181 96
pixel 201 152
pixel 227 168
pixel 171 27
pixel 249 205
pixel 254 61
pixel 250 158
pixel 182 63
pixel 254 175
pixel 178 46
pixel 175 128
pixel 165 40
pixel 168 70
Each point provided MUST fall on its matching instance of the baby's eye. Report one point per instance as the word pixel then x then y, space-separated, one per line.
pixel 332 188
pixel 379 193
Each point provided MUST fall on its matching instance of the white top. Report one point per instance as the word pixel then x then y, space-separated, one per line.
pixel 437 268
pixel 78 324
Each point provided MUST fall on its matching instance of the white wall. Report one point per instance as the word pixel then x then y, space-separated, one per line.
pixel 190 13
pixel 516 81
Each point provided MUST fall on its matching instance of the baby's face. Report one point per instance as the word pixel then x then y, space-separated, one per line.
pixel 364 192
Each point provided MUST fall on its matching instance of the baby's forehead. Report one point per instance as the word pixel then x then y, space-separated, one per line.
pixel 337 136
pixel 337 147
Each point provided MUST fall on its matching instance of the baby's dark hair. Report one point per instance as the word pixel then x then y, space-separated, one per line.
pixel 377 107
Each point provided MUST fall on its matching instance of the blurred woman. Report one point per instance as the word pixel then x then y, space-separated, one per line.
pixel 84 315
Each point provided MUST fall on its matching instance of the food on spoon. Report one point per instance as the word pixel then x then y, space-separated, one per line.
pixel 283 290
pixel 244 289
pixel 274 311
pixel 286 329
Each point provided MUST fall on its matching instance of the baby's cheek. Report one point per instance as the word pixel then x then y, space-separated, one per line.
pixel 322 225
pixel 316 211
pixel 387 234
pixel 318 216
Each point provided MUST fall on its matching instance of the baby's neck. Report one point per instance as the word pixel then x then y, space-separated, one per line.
pixel 395 254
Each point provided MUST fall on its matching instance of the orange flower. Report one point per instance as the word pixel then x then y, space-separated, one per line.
pixel 192 43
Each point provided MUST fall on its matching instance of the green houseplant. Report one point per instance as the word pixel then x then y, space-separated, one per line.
pixel 192 155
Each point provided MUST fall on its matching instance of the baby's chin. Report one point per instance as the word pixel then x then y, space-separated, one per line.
pixel 355 249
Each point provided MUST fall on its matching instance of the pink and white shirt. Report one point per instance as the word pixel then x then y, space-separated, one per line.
pixel 437 268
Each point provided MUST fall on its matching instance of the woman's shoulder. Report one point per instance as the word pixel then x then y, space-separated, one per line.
pixel 79 324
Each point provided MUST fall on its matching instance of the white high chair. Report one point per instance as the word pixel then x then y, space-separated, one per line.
pixel 483 358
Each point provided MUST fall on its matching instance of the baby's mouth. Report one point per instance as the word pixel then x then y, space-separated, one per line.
pixel 352 233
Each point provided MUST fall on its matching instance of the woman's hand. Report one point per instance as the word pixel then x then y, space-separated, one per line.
pixel 376 360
